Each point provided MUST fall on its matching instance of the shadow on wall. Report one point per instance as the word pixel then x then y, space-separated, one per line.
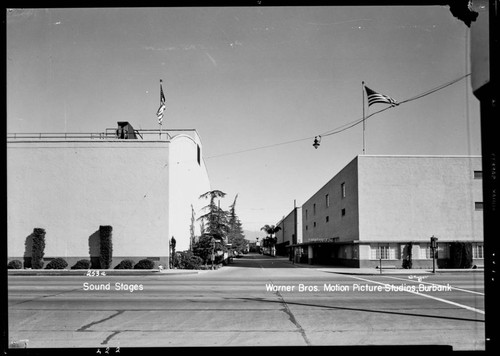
pixel 28 247
pixel 95 250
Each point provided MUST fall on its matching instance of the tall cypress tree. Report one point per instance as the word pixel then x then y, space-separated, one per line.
pixel 235 234
pixel 38 248
pixel 106 243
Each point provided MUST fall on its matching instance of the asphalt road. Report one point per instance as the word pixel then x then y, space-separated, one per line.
pixel 256 301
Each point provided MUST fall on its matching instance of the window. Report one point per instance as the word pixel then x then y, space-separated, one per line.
pixel 314 224
pixel 425 252
pixel 327 219
pixel 327 200
pixel 478 205
pixel 342 190
pixel 307 227
pixel 306 214
pixel 198 154
pixel 343 212
pixel 478 174
pixel 477 251
pixel 383 252
pixel 314 209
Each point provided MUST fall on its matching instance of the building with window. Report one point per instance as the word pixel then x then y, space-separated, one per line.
pixel 145 184
pixel 290 232
pixel 384 209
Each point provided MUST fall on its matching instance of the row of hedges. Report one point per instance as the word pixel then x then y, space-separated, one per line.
pixel 38 250
pixel 60 263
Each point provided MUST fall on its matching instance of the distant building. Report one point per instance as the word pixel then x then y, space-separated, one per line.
pixel 290 232
pixel 143 183
pixel 384 209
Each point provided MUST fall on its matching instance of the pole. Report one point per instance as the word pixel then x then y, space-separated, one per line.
pixel 433 260
pixel 213 252
pixel 363 95
pixel 489 98
pixel 380 258
pixel 159 121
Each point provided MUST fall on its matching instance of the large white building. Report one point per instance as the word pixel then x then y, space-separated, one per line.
pixel 384 210
pixel 144 183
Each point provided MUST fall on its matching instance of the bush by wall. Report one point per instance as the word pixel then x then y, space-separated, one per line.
pixel 125 264
pixel 38 249
pixel 460 254
pixel 145 264
pixel 57 263
pixel 106 252
pixel 407 262
pixel 187 260
pixel 82 264
pixel 15 264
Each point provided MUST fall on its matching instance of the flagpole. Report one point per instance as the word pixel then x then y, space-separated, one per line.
pixel 363 93
pixel 159 121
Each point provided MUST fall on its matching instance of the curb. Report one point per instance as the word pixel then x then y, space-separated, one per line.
pixel 401 272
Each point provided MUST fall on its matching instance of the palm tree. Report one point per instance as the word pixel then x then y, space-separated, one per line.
pixel 270 241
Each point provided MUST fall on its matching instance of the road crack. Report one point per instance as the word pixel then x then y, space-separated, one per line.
pixel 292 318
pixel 85 327
pixel 105 342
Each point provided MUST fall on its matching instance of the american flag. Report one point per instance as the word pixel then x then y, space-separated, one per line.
pixel 161 109
pixel 374 97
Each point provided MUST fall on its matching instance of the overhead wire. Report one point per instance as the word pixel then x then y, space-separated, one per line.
pixel 348 125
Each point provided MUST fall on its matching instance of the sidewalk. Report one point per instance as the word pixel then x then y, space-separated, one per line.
pixel 108 272
pixel 385 271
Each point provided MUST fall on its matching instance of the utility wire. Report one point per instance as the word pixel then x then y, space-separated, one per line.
pixel 350 124
pixel 358 121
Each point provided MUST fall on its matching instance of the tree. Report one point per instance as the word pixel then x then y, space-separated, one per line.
pixel 215 218
pixel 38 248
pixel 235 234
pixel 270 240
pixel 191 229
pixel 106 246
pixel 207 245
pixel 215 228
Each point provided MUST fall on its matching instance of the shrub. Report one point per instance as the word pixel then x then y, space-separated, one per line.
pixel 187 260
pixel 145 264
pixel 82 264
pixel 106 244
pixel 407 262
pixel 57 263
pixel 38 248
pixel 460 254
pixel 15 264
pixel 125 264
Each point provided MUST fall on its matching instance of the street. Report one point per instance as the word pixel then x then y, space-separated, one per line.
pixel 255 301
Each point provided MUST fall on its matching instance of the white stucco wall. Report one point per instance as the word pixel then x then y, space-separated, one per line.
pixel 411 198
pixel 70 188
pixel 188 180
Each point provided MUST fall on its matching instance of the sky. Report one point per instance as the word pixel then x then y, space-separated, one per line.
pixel 258 84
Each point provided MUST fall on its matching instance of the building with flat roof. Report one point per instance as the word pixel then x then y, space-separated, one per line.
pixel 290 232
pixel 145 184
pixel 384 210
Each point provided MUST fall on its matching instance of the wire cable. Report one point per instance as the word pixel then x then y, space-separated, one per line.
pixel 349 124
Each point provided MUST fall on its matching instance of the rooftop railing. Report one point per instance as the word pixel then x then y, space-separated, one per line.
pixel 109 134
